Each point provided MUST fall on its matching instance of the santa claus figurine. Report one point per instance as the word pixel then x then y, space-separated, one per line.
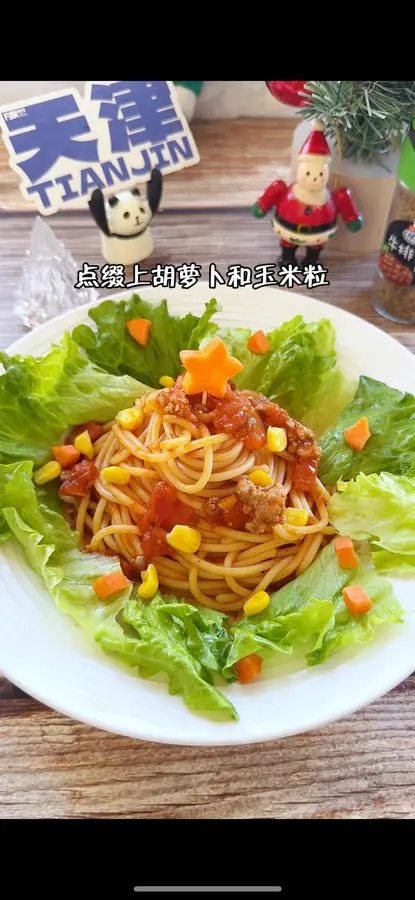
pixel 306 212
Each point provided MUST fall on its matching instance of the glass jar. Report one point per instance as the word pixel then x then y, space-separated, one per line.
pixel 394 287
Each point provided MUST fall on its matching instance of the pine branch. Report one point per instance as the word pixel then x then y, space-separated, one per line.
pixel 371 117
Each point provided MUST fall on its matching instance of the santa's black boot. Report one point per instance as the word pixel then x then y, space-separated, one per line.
pixel 288 256
pixel 311 257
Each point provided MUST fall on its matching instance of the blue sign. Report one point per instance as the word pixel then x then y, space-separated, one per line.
pixel 63 145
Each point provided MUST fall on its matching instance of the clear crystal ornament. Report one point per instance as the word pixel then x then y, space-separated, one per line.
pixel 46 288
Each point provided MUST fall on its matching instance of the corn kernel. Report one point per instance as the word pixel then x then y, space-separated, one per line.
pixel 48 472
pixel 296 516
pixel 276 439
pixel 116 475
pixel 228 502
pixel 260 478
pixel 150 584
pixel 257 603
pixel 130 418
pixel 174 443
pixel 83 443
pixel 185 539
pixel 167 381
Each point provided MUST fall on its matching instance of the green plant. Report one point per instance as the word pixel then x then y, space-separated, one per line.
pixel 366 118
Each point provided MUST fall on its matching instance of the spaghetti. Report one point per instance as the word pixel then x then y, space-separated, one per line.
pixel 247 545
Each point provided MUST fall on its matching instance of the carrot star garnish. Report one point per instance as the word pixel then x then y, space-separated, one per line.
pixel 209 369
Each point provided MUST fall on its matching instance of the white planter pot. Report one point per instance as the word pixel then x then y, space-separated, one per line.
pixel 372 188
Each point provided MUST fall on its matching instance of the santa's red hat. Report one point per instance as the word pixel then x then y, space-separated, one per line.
pixel 316 144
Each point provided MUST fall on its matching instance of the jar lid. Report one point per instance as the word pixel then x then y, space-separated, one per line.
pixel 406 167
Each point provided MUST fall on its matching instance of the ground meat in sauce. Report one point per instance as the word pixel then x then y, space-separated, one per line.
pixel 301 441
pixel 175 402
pixel 235 415
pixel 211 507
pixel 211 402
pixel 263 506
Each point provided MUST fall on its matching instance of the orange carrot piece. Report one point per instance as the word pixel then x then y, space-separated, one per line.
pixel 140 330
pixel 358 434
pixel 258 343
pixel 248 668
pixel 67 455
pixel 346 556
pixel 110 584
pixel 356 600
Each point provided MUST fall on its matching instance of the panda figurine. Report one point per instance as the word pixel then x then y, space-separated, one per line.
pixel 124 221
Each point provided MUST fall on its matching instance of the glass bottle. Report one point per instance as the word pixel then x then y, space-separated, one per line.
pixel 394 287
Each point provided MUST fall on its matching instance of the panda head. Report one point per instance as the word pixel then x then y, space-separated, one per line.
pixel 128 213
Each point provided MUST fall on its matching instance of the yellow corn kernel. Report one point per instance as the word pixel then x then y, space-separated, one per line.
pixel 276 439
pixel 295 516
pixel 150 584
pixel 257 603
pixel 260 477
pixel 48 472
pixel 185 539
pixel 174 443
pixel 167 381
pixel 130 418
pixel 116 475
pixel 83 443
pixel 228 502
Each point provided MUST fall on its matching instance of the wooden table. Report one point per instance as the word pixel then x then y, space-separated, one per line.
pixel 50 766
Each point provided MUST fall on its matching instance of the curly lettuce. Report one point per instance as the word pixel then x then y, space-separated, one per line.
pixel 165 635
pixel 299 372
pixel 111 346
pixel 310 610
pixel 391 446
pixel 379 509
pixel 41 396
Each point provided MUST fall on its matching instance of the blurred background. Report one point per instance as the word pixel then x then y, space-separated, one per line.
pixel 217 100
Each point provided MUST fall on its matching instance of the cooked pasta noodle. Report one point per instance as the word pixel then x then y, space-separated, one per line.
pixel 232 563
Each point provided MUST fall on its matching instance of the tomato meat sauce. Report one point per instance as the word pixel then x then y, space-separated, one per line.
pixel 301 443
pixel 166 510
pixel 235 415
pixel 77 482
pixel 93 428
pixel 234 517
pixel 304 474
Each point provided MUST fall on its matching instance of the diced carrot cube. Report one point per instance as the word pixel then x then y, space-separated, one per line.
pixel 110 584
pixel 67 455
pixel 248 668
pixel 140 330
pixel 258 343
pixel 358 434
pixel 356 600
pixel 346 556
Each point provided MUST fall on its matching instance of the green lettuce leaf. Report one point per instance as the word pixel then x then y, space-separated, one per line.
pixel 169 636
pixel 347 629
pixel 41 397
pixel 391 447
pixel 206 635
pixel 379 509
pixel 310 610
pixel 336 390
pixel 112 347
pixel 299 372
pixel 181 641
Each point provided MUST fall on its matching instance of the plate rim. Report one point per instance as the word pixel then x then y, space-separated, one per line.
pixel 49 331
pixel 148 291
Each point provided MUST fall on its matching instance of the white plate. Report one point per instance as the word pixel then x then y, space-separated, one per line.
pixel 45 654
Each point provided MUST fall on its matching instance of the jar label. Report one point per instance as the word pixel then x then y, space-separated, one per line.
pixel 397 260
